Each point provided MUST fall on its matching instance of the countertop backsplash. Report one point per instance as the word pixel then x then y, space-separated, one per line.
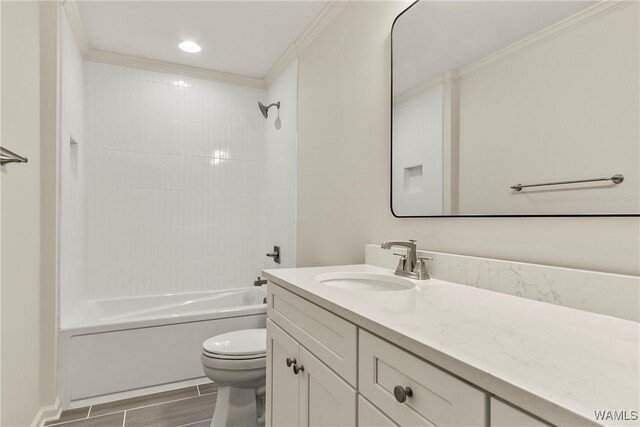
pixel 604 293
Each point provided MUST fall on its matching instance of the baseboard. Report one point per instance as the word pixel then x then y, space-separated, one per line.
pixel 47 413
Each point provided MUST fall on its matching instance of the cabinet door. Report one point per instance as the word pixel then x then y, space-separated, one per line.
pixel 503 415
pixel 326 399
pixel 370 416
pixel 283 392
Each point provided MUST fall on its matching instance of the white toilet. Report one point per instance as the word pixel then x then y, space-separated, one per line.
pixel 236 362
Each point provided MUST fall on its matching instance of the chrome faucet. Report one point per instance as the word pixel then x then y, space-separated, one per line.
pixel 410 265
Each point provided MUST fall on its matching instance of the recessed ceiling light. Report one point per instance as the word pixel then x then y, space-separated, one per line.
pixel 189 46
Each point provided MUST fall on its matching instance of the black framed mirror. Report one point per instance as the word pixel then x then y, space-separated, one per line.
pixel 527 108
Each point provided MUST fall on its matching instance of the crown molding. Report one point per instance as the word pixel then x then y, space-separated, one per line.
pixel 570 23
pixel 171 68
pixel 77 26
pixel 318 25
pixel 583 17
pixel 281 64
pixel 321 21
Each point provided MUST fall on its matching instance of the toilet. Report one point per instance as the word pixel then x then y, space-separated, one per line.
pixel 236 362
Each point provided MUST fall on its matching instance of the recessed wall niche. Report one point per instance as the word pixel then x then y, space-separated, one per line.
pixel 73 158
pixel 413 179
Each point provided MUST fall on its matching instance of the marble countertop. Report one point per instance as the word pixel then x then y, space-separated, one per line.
pixel 559 363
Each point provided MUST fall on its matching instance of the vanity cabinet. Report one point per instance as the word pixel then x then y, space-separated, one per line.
pixel 322 370
pixel 303 391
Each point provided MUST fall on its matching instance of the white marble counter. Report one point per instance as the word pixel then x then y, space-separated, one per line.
pixel 559 363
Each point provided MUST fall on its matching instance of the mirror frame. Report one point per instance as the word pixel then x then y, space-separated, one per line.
pixel 620 215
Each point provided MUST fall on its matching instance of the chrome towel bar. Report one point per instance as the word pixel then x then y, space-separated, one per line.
pixel 8 156
pixel 616 179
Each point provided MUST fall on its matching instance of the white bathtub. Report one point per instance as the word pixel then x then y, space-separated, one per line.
pixel 115 346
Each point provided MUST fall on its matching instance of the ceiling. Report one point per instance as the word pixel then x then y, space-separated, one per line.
pixel 239 37
pixel 434 37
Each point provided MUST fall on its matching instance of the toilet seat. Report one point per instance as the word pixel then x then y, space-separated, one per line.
pixel 237 345
pixel 237 350
pixel 230 357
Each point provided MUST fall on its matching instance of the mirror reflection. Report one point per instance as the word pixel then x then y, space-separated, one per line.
pixel 515 108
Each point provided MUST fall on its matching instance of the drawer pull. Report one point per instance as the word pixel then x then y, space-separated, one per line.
pixel 290 362
pixel 297 369
pixel 401 393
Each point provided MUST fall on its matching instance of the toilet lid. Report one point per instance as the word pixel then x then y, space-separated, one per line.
pixel 246 342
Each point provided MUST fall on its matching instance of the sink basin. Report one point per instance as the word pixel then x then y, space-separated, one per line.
pixel 365 281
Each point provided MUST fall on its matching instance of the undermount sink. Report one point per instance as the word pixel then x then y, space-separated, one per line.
pixel 365 281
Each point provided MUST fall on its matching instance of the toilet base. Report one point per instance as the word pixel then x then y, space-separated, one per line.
pixel 238 407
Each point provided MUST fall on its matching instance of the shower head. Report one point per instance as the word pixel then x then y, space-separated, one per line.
pixel 265 110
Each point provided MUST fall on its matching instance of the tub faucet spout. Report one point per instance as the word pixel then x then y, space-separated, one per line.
pixel 259 281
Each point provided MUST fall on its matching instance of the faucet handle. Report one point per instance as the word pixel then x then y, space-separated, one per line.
pixel 421 268
pixel 402 262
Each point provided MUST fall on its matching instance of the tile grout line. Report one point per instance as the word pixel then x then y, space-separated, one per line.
pixel 78 419
pixel 195 422
pixel 154 404
pixel 81 419
pixel 135 407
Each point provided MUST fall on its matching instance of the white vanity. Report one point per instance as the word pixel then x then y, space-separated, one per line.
pixel 438 353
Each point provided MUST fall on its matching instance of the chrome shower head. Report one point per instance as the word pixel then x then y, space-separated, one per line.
pixel 265 110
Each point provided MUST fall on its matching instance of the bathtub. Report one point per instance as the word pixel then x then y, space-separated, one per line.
pixel 127 346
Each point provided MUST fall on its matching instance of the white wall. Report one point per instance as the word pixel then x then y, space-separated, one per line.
pixel 174 187
pixel 20 215
pixel 71 172
pixel 28 323
pixel 281 159
pixel 565 108
pixel 343 169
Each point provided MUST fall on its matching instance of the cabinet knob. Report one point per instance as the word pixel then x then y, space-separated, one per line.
pixel 290 362
pixel 401 393
pixel 297 369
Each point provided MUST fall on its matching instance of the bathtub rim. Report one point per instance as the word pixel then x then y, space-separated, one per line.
pixel 74 326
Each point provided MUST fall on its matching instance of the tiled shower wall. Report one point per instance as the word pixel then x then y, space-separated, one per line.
pixel 174 188
pixel 418 153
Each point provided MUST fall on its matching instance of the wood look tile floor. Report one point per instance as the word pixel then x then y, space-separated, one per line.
pixel 188 406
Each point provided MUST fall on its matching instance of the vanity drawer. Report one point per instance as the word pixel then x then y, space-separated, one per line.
pixel 329 337
pixel 437 398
